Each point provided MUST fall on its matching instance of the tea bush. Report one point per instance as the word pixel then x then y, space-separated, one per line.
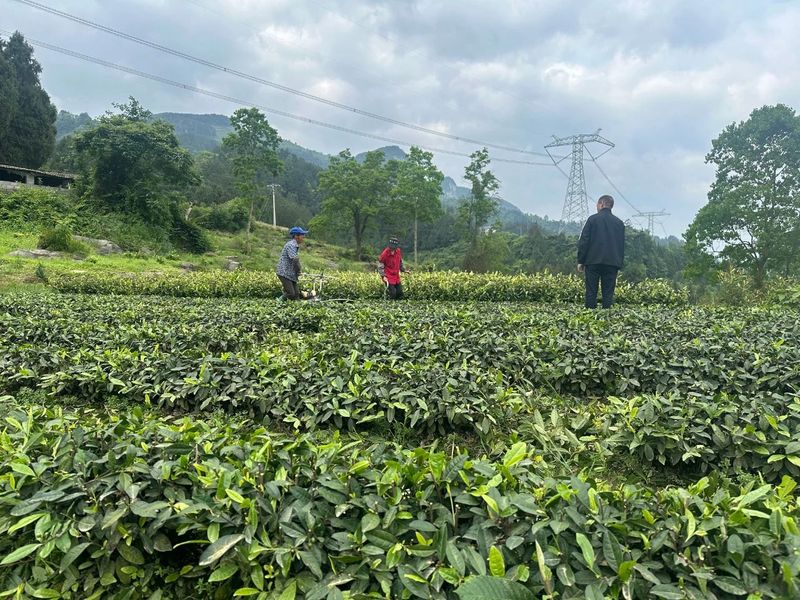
pixel 131 505
pixel 744 434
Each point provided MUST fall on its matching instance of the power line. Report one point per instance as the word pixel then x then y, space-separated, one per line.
pixel 261 34
pixel 611 183
pixel 236 73
pixel 648 215
pixel 197 90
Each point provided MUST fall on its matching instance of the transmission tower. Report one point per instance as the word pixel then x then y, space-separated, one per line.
pixel 576 201
pixel 651 219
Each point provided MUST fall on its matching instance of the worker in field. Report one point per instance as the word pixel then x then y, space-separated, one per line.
pixel 390 265
pixel 289 264
pixel 601 251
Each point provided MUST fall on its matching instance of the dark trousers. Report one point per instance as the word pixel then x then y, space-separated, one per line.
pixel 595 276
pixel 291 290
pixel 395 291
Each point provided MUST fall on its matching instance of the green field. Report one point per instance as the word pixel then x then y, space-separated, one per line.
pixel 162 447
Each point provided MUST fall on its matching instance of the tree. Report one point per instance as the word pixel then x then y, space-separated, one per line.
pixel 354 193
pixel 752 219
pixel 136 165
pixel 476 210
pixel 27 117
pixel 8 96
pixel 253 147
pixel 418 189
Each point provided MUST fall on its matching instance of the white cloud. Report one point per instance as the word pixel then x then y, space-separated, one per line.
pixel 662 78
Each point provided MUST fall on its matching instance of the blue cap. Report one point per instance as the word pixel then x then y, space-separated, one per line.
pixel 297 231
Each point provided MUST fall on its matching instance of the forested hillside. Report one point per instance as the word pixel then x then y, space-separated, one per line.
pixel 514 241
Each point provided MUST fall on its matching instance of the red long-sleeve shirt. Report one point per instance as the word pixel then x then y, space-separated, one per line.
pixel 392 262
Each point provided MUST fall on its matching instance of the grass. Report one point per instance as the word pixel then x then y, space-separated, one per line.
pixel 266 244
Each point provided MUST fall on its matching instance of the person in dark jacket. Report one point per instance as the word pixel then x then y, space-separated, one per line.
pixel 390 265
pixel 601 252
pixel 289 264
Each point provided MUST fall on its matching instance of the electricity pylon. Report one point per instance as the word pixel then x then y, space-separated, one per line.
pixel 576 201
pixel 651 219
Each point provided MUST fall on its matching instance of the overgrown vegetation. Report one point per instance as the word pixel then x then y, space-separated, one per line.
pixel 59 238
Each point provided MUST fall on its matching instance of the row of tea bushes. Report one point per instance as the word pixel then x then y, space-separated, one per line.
pixel 131 505
pixel 434 367
pixel 539 287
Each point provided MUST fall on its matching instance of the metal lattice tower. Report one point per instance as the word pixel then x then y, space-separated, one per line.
pixel 576 201
pixel 651 219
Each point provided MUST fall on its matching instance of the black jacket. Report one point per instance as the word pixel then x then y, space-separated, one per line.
pixel 602 240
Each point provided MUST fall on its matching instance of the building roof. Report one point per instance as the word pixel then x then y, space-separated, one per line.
pixel 39 172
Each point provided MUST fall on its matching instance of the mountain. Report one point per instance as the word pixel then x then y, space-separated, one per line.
pixel 198 133
pixel 315 158
pixel 67 123
pixel 390 152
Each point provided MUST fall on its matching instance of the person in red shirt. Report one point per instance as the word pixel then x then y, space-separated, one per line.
pixel 390 265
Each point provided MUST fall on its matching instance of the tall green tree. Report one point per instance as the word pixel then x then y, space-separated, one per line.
pixel 476 210
pixel 253 148
pixel 752 219
pixel 355 194
pixel 136 165
pixel 27 117
pixel 8 96
pixel 418 189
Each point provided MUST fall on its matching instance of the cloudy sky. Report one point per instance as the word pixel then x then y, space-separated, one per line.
pixel 661 77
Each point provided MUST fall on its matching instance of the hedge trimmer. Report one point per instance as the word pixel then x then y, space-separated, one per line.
pixel 317 281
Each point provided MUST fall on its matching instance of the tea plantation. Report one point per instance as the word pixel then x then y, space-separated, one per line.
pixel 181 446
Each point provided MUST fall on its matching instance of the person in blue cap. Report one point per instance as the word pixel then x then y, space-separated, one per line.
pixel 289 264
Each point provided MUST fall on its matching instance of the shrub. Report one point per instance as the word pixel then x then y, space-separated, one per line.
pixel 190 236
pixel 30 209
pixel 60 239
pixel 784 292
pixel 40 273
pixel 229 216
pixel 436 368
pixel 735 288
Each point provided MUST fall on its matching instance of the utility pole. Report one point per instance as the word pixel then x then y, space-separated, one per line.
pixel 651 216
pixel 274 214
pixel 576 201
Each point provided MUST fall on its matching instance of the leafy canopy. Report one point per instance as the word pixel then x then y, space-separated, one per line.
pixel 418 189
pixel 355 194
pixel 752 219
pixel 253 147
pixel 27 117
pixel 136 165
